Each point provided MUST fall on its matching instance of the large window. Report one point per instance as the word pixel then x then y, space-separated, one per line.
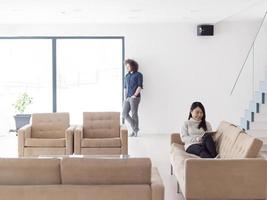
pixel 25 68
pixel 89 76
pixel 63 74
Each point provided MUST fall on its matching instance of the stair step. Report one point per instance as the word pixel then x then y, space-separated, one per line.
pixel 243 123
pixel 263 86
pixel 263 108
pixel 253 106
pixel 258 97
pixel 248 115
pixel 260 117
pixel 259 125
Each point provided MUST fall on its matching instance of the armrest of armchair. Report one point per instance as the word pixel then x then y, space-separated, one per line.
pixel 225 178
pixel 175 138
pixel 23 133
pixel 157 186
pixel 78 135
pixel 69 140
pixel 124 140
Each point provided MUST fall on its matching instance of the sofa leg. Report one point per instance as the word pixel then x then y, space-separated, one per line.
pixel 178 187
pixel 171 170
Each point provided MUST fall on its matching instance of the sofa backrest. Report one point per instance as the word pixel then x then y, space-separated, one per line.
pixel 232 142
pixel 226 137
pixel 101 124
pixel 246 146
pixel 29 171
pixel 91 171
pixel 49 125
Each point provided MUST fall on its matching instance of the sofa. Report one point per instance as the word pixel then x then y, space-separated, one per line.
pixel 240 172
pixel 71 178
pixel 48 134
pixel 100 134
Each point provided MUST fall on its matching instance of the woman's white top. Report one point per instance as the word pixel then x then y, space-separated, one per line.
pixel 190 132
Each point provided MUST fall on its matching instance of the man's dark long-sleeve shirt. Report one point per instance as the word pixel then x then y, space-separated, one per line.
pixel 131 82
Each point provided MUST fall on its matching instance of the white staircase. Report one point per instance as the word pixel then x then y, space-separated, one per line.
pixel 255 119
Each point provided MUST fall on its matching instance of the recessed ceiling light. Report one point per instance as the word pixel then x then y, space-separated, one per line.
pixel 63 12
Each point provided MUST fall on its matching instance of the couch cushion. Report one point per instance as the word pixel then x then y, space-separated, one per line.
pixel 103 142
pixel 75 192
pixel 101 124
pixel 226 137
pixel 101 151
pixel 178 153
pixel 246 146
pixel 39 142
pixel 41 151
pixel 105 171
pixel 49 125
pixel 29 171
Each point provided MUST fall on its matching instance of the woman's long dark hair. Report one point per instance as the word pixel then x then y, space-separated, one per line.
pixel 202 124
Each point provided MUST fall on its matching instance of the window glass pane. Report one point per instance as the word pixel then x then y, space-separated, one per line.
pixel 26 67
pixel 89 76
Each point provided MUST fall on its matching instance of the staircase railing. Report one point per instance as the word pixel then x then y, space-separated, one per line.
pixel 248 53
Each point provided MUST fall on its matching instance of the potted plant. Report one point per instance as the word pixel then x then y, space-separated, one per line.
pixel 20 106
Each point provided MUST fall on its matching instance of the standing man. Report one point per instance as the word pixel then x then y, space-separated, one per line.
pixel 133 84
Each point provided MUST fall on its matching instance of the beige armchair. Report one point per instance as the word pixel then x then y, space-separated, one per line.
pixel 48 134
pixel 100 134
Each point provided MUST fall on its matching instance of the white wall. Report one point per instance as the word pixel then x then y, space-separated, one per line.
pixel 178 66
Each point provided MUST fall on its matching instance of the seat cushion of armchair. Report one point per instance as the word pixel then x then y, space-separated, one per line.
pixel 40 142
pixel 101 142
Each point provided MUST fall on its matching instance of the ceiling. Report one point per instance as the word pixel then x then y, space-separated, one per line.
pixel 121 11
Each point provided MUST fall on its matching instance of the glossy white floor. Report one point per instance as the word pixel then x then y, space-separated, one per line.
pixel 156 146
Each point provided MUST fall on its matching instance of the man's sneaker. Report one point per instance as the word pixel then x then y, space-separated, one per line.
pixel 136 133
pixel 133 134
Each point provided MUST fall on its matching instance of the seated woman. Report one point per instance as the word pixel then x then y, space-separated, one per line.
pixel 193 131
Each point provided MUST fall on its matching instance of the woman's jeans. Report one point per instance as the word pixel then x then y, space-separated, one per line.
pixel 206 149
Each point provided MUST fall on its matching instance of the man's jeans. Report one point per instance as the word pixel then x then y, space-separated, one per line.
pixel 131 104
